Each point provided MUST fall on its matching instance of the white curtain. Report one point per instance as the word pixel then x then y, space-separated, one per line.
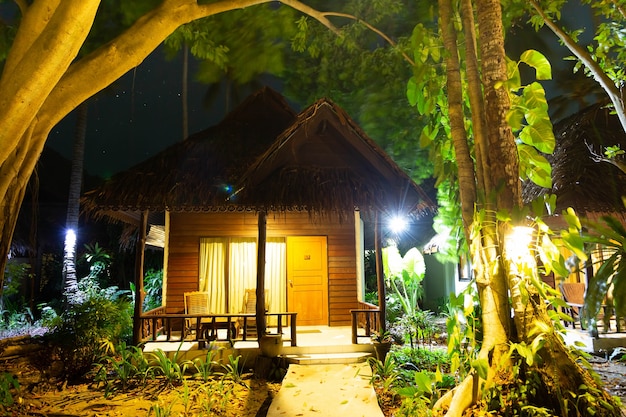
pixel 276 274
pixel 212 273
pixel 242 264
pixel 242 270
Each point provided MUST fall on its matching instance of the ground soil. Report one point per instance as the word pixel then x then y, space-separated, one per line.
pixel 43 395
pixel 39 396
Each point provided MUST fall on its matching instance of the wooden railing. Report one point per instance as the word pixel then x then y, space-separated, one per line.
pixel 149 327
pixel 366 319
pixel 204 328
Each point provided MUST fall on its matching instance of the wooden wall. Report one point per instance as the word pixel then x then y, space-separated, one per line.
pixel 186 229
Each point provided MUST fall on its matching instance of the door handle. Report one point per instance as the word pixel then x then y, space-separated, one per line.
pixel 291 283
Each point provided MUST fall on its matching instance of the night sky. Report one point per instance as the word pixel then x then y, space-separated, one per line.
pixel 137 117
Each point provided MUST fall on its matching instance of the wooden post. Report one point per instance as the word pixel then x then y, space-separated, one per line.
pixel 260 275
pixel 380 275
pixel 139 291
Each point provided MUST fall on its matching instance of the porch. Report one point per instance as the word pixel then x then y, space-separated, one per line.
pixel 301 344
pixel 601 341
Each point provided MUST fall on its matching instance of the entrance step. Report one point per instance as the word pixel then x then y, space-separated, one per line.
pixel 327 358
pixel 337 354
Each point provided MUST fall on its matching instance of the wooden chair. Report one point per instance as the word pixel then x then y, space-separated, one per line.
pixel 248 327
pixel 196 302
pixel 574 295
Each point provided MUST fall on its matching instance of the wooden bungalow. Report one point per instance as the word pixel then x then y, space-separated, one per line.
pixel 268 200
pixel 584 179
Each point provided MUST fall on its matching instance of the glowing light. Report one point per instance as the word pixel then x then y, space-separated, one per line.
pixel 70 240
pixel 398 224
pixel 518 243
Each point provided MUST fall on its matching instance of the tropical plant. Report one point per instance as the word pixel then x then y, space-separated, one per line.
pixel 172 370
pixel 99 260
pixel 161 409
pixel 420 327
pixel 606 237
pixel 602 57
pixel 215 396
pixel 15 273
pixel 153 287
pixel 233 371
pixel 79 333
pixel 381 337
pixel 423 359
pixel 404 276
pixel 205 367
pixel 385 372
pixel 119 369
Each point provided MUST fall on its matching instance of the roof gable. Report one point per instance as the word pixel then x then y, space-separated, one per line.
pixel 329 162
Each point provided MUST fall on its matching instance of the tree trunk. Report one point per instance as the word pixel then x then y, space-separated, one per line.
pixel 70 280
pixel 503 280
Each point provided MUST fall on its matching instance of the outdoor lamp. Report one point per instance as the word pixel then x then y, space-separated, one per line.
pixel 517 244
pixel 397 224
pixel 70 241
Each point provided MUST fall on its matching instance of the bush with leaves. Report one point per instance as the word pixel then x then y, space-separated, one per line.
pixel 153 287
pixel 15 313
pixel 103 317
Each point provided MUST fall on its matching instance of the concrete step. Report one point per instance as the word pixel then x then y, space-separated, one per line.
pixel 327 358
pixel 348 348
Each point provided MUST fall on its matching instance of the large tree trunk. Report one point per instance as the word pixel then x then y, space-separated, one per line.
pixel 503 280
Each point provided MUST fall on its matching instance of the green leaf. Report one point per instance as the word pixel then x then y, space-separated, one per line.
pixel 423 382
pixel 540 136
pixel 539 62
pixel 412 91
pixel 535 98
pixel 514 81
pixel 515 117
pixel 425 139
pixel 572 219
pixel 534 166
pixel 574 242
pixel 481 366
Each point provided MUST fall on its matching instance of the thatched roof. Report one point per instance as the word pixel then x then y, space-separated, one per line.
pixel 263 157
pixel 593 188
pixel 325 162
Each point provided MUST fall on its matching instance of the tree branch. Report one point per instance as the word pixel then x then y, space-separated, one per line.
pixel 585 57
pixel 99 69
pixel 39 62
pixel 376 31
pixel 23 6
pixel 595 157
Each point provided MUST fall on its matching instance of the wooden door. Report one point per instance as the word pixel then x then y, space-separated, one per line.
pixel 307 279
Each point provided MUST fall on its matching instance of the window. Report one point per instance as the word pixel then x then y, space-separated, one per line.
pixel 228 266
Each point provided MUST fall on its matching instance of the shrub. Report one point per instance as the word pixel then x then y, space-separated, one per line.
pixel 153 286
pixel 104 317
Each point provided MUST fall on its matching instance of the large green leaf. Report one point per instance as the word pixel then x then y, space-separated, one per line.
pixel 539 135
pixel 412 91
pixel 539 62
pixel 534 166
pixel 535 97
pixel 515 117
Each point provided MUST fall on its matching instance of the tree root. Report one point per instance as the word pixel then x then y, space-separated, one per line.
pixel 456 401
